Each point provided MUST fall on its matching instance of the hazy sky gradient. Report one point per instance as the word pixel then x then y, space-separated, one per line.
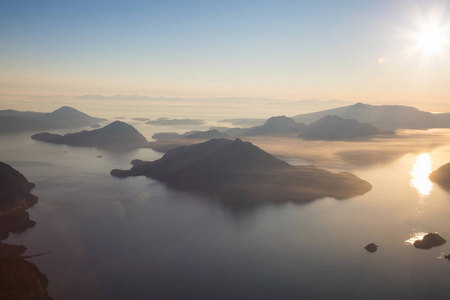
pixel 276 49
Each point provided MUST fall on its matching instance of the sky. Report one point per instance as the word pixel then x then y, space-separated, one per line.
pixel 349 50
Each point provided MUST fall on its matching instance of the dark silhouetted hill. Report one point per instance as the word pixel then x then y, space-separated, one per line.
pixel 12 121
pixel 384 117
pixel 239 171
pixel 19 279
pixel 14 190
pixel 115 135
pixel 275 126
pixel 15 198
pixel 333 128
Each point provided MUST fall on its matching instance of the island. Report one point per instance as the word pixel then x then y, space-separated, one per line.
pixel 12 121
pixel 275 126
pixel 372 248
pixel 429 241
pixel 115 135
pixel 441 176
pixel 239 171
pixel 166 141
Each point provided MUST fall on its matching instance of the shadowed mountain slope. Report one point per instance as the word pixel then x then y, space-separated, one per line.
pixel 243 172
pixel 336 128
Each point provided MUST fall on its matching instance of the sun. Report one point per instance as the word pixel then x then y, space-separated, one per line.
pixel 432 38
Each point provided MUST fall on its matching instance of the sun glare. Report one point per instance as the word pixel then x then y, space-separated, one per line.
pixel 432 38
pixel 420 172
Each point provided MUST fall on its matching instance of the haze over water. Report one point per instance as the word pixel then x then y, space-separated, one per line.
pixel 113 238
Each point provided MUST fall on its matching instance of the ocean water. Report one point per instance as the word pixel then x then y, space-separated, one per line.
pixel 135 238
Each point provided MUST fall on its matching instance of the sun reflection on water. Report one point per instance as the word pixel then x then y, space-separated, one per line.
pixel 420 172
pixel 415 237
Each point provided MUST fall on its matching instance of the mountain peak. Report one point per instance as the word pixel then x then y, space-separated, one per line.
pixel 66 109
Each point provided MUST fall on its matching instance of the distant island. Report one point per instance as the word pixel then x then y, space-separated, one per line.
pixel 275 126
pixel 141 119
pixel 239 171
pixel 12 121
pixel 175 122
pixel 115 135
pixel 19 279
pixel 243 121
pixel 166 141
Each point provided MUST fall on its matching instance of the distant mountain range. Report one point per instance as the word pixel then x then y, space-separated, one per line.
pixel 331 128
pixel 384 117
pixel 12 121
pixel 326 128
pixel 239 171
pixel 115 135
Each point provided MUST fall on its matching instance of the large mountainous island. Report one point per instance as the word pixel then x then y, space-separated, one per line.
pixel 239 171
pixel 115 135
pixel 12 121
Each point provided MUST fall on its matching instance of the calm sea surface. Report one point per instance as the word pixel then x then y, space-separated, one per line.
pixel 134 238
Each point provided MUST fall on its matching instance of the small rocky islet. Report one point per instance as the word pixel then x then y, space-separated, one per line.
pixel 429 241
pixel 371 247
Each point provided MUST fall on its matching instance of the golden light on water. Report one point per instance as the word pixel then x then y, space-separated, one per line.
pixel 420 172
pixel 415 237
